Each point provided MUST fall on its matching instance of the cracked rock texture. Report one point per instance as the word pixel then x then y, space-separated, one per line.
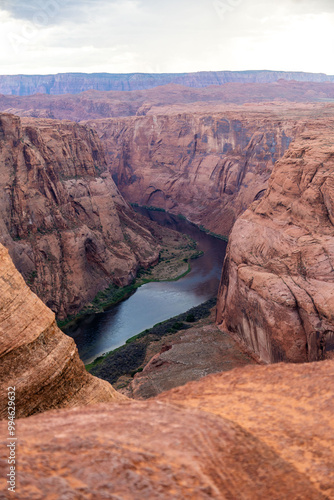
pixel 67 228
pixel 277 288
pixel 36 357
pixel 258 432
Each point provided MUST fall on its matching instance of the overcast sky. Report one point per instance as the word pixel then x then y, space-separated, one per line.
pixel 124 36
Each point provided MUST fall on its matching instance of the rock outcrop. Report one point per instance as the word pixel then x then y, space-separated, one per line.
pixel 208 166
pixel 277 288
pixel 73 83
pixel 257 432
pixel 67 228
pixel 183 357
pixel 36 357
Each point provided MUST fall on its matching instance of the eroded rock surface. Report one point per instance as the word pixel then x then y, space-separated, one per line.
pixel 257 432
pixel 289 407
pixel 36 357
pixel 67 228
pixel 277 289
pixel 208 166
pixel 191 151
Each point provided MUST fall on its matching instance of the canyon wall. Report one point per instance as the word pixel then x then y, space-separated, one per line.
pixel 36 357
pixel 67 228
pixel 73 83
pixel 208 166
pixel 277 288
pixel 188 150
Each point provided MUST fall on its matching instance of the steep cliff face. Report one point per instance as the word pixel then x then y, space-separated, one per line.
pixel 62 218
pixel 251 433
pixel 277 288
pixel 73 83
pixel 209 167
pixel 36 357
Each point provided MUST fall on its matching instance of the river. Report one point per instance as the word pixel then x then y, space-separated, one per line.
pixel 153 302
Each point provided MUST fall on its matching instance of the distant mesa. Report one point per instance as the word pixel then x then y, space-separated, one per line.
pixel 74 83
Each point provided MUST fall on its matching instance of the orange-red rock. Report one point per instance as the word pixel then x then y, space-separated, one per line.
pixel 65 224
pixel 36 357
pixel 277 289
pixel 289 407
pixel 207 165
pixel 188 150
pixel 254 433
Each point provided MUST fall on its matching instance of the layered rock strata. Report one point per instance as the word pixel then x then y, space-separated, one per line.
pixel 277 288
pixel 67 228
pixel 251 433
pixel 207 166
pixel 36 357
pixel 93 104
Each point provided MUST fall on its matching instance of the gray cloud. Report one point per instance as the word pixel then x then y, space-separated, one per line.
pixel 49 12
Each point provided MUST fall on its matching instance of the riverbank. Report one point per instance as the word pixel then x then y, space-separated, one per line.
pixel 177 252
pixel 172 353
pixel 128 358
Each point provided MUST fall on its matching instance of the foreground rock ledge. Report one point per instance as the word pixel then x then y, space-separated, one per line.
pixel 254 433
pixel 36 357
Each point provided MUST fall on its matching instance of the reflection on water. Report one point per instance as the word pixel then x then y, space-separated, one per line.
pixel 153 302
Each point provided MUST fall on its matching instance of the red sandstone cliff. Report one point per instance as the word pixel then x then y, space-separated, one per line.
pixel 187 150
pixel 209 166
pixel 277 288
pixel 36 357
pixel 62 218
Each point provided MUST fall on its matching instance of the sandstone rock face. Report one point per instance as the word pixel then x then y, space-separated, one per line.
pixel 277 288
pixel 207 166
pixel 258 432
pixel 73 83
pixel 65 224
pixel 188 150
pixel 36 357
